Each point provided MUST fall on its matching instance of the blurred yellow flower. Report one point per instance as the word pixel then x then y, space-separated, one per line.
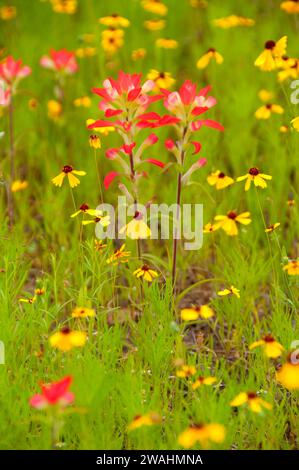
pixel 99 245
pixel 229 221
pixel 205 434
pixel 138 54
pixel 204 60
pixel 148 419
pixel 83 101
pixel 115 21
pixel 119 256
pixel 284 129
pixel 112 40
pixel 266 61
pixel 54 109
pixel 68 171
pixel 85 209
pixel 64 6
pixel 295 123
pixel 288 374
pixel 290 6
pixel 28 300
pixel 154 25
pixel 193 313
pixel 161 79
pixel 272 227
pixel 265 111
pixel 229 291
pixel 94 141
pixel 146 273
pixel 265 95
pixel 18 185
pixel 8 12
pixel 270 347
pixel 186 371
pixel 292 268
pixel 203 381
pixel 219 180
pixel 256 177
pixel 66 339
pixel 83 312
pixel 254 402
pixel 103 220
pixel 83 52
pixel 32 103
pixel 210 228
pixel 166 43
pixel 232 21
pixel 155 6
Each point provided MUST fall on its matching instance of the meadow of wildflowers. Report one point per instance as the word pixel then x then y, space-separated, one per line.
pixel 125 335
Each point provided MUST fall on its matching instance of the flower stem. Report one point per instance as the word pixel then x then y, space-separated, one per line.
pixel 175 240
pixel 10 205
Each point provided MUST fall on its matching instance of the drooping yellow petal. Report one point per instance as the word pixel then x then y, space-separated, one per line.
pixel 57 181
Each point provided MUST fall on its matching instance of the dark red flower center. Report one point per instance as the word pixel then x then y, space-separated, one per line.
pixel 162 75
pixel 270 45
pixel 84 207
pixel 97 219
pixel 212 49
pixel 251 395
pixel 268 106
pixel 221 175
pixel 254 171
pixel 66 330
pixel 232 215
pixel 197 426
pixel 137 215
pixel 67 169
pixel 268 339
pixel 145 267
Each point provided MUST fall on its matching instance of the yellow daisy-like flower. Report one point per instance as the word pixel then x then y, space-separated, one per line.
pixel 166 43
pixel 8 12
pixel 83 312
pixel 138 54
pixel 18 185
pixel 284 129
pixel 99 245
pixel 112 40
pixel 288 374
pixel 66 339
pixel 39 291
pixel 94 141
pixel 136 229
pixel 193 313
pixel 155 6
pixel 219 180
pixel 161 79
pixel 290 6
pixel 295 123
pixel 210 228
pixel 270 347
pixel 154 25
pixel 254 402
pixel 265 111
pixel 292 268
pixel 115 21
pixel 148 419
pixel 272 227
pixel 229 222
pixel 232 21
pixel 146 273
pixel 211 54
pixel 186 371
pixel 29 300
pixel 100 130
pixel 68 171
pixel 83 101
pixel 119 256
pixel 54 110
pixel 256 177
pixel 229 291
pixel 266 61
pixel 84 209
pixel 64 6
pixel 103 220
pixel 203 381
pixel 204 434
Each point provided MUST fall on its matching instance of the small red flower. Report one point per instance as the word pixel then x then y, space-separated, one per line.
pixel 60 61
pixel 55 393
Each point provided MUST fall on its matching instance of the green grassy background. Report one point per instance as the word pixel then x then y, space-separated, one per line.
pixel 127 367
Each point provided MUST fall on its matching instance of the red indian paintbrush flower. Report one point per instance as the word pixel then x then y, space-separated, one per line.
pixel 62 61
pixel 12 70
pixel 55 393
